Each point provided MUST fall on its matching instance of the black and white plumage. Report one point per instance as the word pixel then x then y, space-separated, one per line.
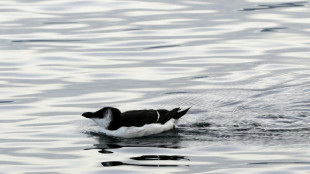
pixel 112 119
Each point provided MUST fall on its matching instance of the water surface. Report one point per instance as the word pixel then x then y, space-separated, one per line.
pixel 242 65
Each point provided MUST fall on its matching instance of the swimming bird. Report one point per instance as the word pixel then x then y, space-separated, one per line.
pixel 112 119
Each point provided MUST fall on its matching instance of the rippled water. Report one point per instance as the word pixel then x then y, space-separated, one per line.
pixel 243 67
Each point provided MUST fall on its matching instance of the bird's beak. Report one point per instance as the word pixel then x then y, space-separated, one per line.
pixel 87 114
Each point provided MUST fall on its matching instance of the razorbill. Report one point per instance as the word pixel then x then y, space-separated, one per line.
pixel 112 119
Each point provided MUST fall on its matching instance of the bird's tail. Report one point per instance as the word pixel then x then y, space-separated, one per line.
pixel 177 115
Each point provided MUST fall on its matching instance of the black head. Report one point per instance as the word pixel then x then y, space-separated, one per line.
pixel 97 114
pixel 101 113
pixel 88 114
pixel 114 114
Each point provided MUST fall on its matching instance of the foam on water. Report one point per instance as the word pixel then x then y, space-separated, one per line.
pixel 133 132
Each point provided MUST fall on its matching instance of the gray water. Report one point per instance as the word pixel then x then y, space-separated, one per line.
pixel 242 65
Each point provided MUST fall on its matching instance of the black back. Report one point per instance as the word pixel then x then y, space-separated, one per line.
pixel 139 118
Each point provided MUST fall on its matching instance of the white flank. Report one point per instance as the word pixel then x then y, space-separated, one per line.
pixel 133 132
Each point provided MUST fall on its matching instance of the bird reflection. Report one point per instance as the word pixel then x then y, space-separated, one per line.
pixel 106 144
pixel 170 139
pixel 159 157
pixel 149 158
pixel 118 163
